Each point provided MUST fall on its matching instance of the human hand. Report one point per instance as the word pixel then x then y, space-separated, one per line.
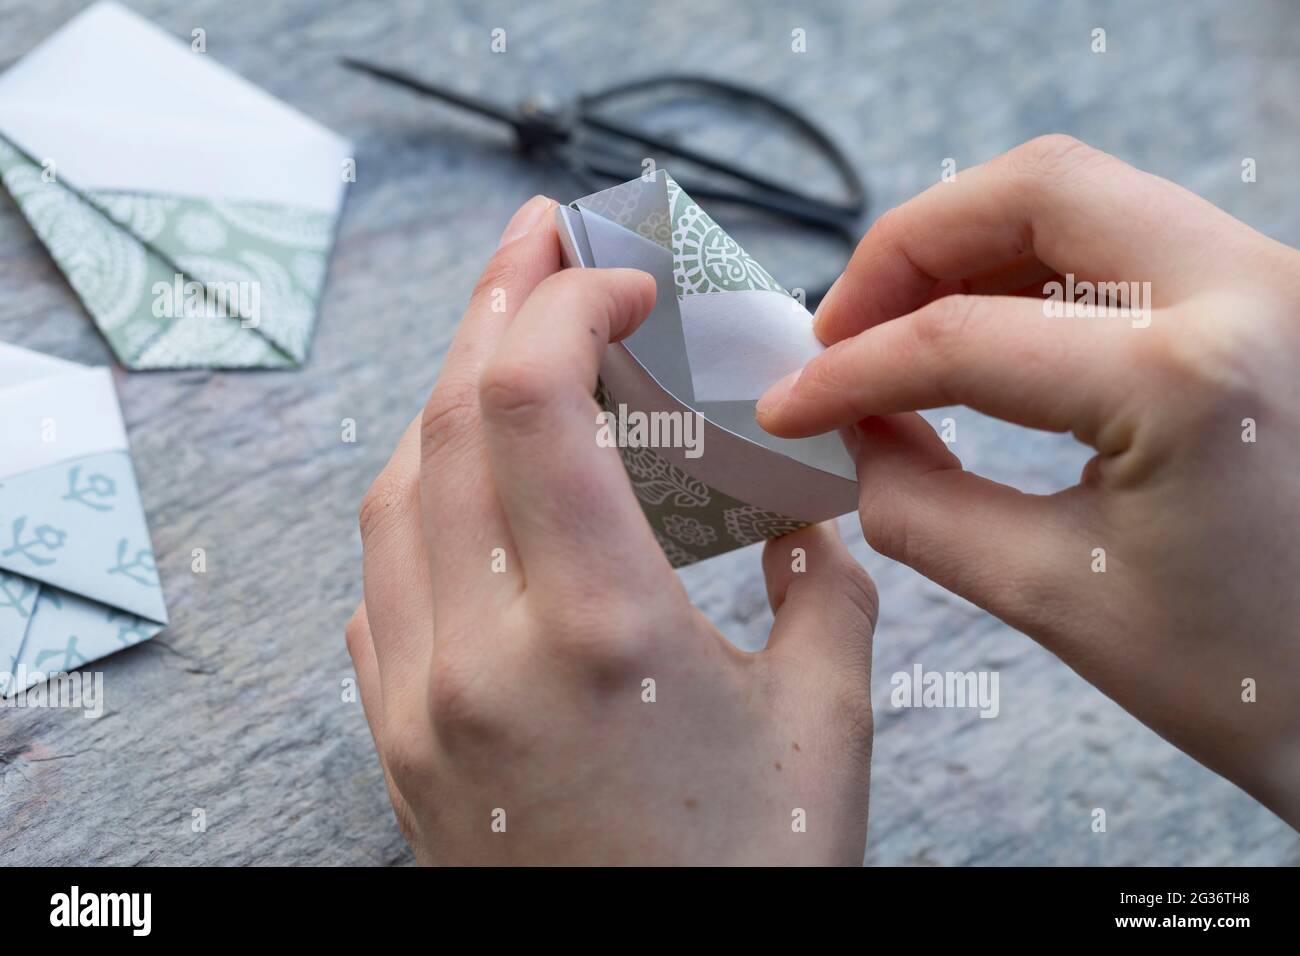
pixel 519 697
pixel 1200 525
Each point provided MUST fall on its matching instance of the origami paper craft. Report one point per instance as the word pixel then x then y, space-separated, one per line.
pixel 192 213
pixel 721 332
pixel 77 574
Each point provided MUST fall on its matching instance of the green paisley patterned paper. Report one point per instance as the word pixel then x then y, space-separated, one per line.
pixel 691 520
pixel 114 247
pixel 644 211
pixel 705 258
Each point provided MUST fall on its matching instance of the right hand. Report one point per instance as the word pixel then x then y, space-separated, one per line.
pixel 1200 527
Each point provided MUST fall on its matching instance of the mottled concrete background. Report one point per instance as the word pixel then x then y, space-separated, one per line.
pixel 236 708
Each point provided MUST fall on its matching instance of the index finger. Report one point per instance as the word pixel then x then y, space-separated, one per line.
pixel 996 354
pixel 463 526
pixel 1051 206
pixel 567 498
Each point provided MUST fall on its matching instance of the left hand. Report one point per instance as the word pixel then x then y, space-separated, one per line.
pixel 516 602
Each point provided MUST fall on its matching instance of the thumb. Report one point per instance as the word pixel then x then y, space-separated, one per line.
pixel 825 603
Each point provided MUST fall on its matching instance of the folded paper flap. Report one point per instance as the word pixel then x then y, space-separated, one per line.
pixel 18 600
pixel 658 343
pixel 741 343
pixel 640 206
pixel 722 329
pixel 19 365
pixel 824 453
pixel 139 97
pixel 79 526
pixel 58 412
pixel 735 461
pixel 273 258
pixel 135 152
pixel 742 331
pixel 61 631
pixel 138 57
pixel 708 259
pixel 263 264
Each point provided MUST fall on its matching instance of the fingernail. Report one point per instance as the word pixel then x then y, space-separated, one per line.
pixel 527 216
pixel 819 315
pixel 775 395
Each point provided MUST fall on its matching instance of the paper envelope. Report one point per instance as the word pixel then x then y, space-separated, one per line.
pixel 77 573
pixel 192 213
pixel 721 332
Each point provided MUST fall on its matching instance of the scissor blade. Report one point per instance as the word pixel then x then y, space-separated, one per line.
pixel 482 107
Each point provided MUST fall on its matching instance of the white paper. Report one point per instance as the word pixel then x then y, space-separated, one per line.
pixel 58 411
pixel 741 343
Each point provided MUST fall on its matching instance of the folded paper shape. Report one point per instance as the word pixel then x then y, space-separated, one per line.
pixel 77 574
pixel 192 213
pixel 722 331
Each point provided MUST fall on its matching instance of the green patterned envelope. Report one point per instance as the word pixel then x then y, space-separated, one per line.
pixel 679 394
pixel 192 213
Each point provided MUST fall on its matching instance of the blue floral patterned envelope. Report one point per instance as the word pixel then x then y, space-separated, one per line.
pixel 77 573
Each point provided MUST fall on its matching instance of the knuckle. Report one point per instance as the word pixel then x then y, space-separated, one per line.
pixel 402 813
pixel 851 698
pixel 939 328
pixel 383 500
pixel 605 647
pixel 848 677
pixel 460 706
pixel 1157 356
pixel 511 390
pixel 589 290
pixel 820 378
pixel 449 415
pixel 844 699
pixel 501 272
pixel 1208 370
pixel 884 526
pixel 888 228
pixel 861 591
pixel 407 751
pixel 356 631
pixel 567 283
pixel 1051 157
pixel 602 655
pixel 851 710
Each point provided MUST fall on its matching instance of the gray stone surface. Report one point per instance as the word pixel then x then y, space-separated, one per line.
pixel 236 708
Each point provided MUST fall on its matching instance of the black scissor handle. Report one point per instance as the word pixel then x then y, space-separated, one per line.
pixel 762 192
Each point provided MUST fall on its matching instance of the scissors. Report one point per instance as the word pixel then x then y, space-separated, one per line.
pixel 596 149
